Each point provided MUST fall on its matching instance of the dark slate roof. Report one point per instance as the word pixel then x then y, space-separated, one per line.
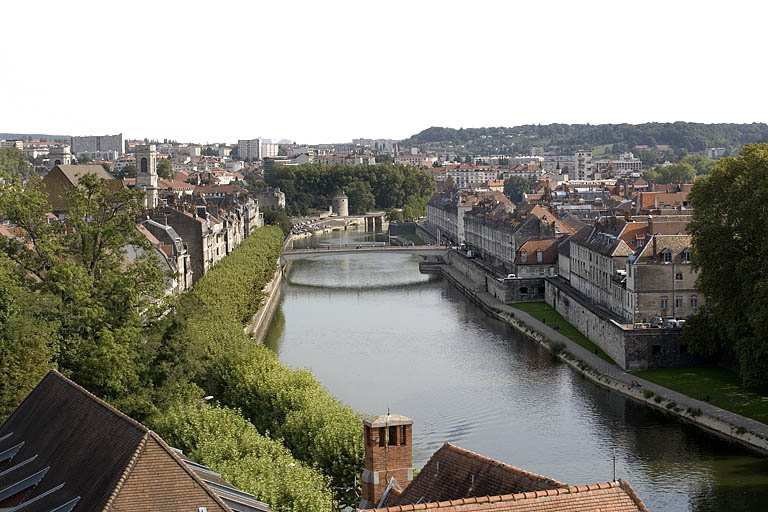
pixel 453 473
pixel 85 444
pixel 81 450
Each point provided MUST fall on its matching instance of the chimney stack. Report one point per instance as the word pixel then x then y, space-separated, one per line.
pixel 388 456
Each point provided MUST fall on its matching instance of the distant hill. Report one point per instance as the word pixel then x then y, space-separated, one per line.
pixel 33 136
pixel 680 136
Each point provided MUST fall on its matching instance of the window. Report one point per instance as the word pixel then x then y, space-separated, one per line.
pixel 656 350
pixel 678 302
pixel 686 256
pixel 392 436
pixel 403 435
pixel 666 257
pixel 144 167
pixel 382 436
pixel 664 303
pixel 679 276
pixel 694 301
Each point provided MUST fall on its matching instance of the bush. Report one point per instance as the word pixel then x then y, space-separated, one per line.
pixel 278 401
pixel 222 439
pixel 648 394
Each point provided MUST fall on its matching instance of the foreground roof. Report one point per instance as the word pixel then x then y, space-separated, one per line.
pixel 603 497
pixel 453 472
pixel 63 449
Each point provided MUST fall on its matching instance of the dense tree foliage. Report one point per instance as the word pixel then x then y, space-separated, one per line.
pixel 13 163
pixel 730 243
pixel 313 186
pixel 165 169
pixel 85 295
pixel 278 217
pixel 102 299
pixel 515 187
pixel 681 172
pixel 289 404
pixel 681 136
pixel 28 338
pixel 222 439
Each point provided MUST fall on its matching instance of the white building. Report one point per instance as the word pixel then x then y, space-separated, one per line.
pixel 469 178
pixel 583 167
pixel 256 149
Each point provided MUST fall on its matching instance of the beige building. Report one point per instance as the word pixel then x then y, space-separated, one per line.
pixel 661 282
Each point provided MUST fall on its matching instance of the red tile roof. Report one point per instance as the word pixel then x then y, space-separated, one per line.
pixel 453 472
pixel 547 246
pixel 602 497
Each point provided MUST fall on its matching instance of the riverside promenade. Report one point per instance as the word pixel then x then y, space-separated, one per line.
pixel 730 426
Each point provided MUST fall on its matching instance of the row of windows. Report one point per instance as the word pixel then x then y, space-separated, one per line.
pixel 679 300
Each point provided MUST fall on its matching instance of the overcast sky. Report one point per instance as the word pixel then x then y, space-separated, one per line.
pixel 328 71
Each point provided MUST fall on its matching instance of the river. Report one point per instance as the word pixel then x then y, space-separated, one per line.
pixel 380 335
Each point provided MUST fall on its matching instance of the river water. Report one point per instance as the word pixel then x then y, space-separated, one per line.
pixel 380 335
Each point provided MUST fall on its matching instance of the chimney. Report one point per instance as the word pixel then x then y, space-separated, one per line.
pixel 650 225
pixel 388 456
pixel 653 241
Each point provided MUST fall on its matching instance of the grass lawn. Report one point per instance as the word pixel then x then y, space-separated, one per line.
pixel 542 311
pixel 717 386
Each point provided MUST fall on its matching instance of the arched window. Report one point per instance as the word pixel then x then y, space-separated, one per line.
pixel 143 166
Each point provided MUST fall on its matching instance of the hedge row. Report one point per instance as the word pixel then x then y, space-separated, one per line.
pixel 222 439
pixel 280 402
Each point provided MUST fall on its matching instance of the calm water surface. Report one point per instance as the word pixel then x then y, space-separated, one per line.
pixel 378 334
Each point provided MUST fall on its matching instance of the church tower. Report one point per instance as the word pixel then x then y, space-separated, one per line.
pixel 146 174
pixel 388 457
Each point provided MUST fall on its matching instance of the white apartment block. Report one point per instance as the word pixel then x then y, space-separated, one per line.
pixel 466 179
pixel 583 167
pixel 256 149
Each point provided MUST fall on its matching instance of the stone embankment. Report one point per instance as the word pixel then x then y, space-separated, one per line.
pixel 730 426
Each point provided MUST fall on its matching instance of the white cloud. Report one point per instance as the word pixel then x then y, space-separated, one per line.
pixel 332 70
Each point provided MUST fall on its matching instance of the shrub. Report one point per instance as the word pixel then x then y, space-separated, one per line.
pixel 278 401
pixel 222 439
pixel 648 394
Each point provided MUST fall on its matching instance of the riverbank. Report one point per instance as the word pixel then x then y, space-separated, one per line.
pixel 727 425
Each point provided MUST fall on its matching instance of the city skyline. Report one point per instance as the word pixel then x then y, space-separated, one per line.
pixel 322 73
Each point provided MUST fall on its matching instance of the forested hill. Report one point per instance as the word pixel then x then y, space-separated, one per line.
pixel 684 137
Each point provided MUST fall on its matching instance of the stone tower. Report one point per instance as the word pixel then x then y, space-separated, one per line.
pixel 388 456
pixel 146 174
pixel 340 205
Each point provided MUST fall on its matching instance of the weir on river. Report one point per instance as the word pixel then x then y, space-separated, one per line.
pixel 380 335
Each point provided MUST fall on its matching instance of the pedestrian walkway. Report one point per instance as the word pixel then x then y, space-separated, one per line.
pixel 741 429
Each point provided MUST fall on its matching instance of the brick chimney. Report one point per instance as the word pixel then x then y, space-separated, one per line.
pixel 388 455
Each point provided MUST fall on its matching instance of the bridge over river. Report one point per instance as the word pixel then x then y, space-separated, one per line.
pixel 363 247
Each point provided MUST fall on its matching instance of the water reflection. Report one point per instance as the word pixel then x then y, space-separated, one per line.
pixel 378 334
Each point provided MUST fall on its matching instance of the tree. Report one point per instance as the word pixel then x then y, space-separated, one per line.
pixel 675 173
pixel 28 338
pixel 515 187
pixel 13 163
pixel 278 217
pixel 165 169
pixel 84 159
pixel 129 171
pixel 730 248
pixel 104 298
pixel 361 198
pixel 702 164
